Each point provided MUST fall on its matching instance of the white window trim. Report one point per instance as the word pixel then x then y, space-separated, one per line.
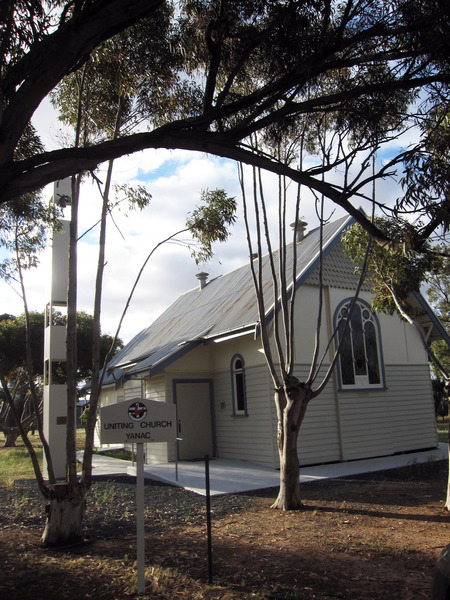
pixel 361 381
pixel 234 371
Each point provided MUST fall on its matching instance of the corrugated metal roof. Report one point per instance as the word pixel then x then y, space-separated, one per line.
pixel 226 305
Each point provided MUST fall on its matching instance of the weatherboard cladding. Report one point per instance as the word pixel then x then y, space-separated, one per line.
pixel 238 436
pixel 226 304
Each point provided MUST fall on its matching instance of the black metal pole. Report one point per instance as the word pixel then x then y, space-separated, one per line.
pixel 208 517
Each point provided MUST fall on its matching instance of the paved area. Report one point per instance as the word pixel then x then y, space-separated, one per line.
pixel 232 476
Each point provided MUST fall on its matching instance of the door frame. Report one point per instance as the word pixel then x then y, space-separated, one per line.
pixel 210 383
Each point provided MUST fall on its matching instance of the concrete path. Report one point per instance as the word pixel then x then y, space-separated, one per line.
pixel 232 476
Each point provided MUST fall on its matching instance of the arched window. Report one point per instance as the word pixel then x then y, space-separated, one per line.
pixel 360 358
pixel 238 385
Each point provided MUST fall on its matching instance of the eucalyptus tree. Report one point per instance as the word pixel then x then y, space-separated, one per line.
pixel 320 136
pixel 208 223
pixel 13 364
pixel 426 176
pixel 246 65
pixel 341 143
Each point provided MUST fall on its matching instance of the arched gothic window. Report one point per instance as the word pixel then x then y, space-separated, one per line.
pixel 360 357
pixel 238 385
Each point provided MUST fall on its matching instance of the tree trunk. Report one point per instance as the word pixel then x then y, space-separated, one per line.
pixel 10 437
pixel 447 501
pixel 291 402
pixel 64 521
pixel 289 493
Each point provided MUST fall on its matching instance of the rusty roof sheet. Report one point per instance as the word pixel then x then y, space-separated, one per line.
pixel 225 306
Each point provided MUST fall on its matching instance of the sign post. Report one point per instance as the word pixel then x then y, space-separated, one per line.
pixel 138 421
pixel 140 521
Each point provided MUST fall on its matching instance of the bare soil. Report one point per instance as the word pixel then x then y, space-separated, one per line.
pixel 373 537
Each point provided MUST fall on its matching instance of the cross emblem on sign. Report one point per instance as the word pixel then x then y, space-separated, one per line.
pixel 137 411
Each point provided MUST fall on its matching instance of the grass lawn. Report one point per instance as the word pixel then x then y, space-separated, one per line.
pixel 442 429
pixel 15 463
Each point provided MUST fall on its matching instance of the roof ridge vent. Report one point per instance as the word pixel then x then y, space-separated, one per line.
pixel 202 278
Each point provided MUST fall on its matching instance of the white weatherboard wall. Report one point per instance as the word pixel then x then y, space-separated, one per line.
pixel 320 433
pixel 245 437
pixel 412 414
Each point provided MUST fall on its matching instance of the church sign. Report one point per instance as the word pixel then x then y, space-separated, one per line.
pixel 138 420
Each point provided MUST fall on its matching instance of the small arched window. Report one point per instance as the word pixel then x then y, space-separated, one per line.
pixel 238 386
pixel 360 358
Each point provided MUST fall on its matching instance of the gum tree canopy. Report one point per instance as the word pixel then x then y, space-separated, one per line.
pixel 243 66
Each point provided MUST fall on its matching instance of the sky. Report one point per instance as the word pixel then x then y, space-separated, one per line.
pixel 175 179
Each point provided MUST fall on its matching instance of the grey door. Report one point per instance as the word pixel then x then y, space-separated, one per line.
pixel 193 400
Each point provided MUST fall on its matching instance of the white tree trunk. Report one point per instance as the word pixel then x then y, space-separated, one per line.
pixel 64 522
pixel 447 501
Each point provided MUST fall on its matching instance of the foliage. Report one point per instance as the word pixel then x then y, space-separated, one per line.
pixel 220 71
pixel 84 416
pixel 427 170
pixel 439 289
pixel 391 267
pixel 24 220
pixel 210 222
pixel 23 229
pixel 137 197
pixel 12 342
pixel 439 295
pixel 113 88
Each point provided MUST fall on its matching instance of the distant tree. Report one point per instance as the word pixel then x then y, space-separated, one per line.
pixel 23 227
pixel 13 362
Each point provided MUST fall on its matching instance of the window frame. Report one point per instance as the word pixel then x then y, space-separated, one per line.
pixel 361 382
pixel 235 372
